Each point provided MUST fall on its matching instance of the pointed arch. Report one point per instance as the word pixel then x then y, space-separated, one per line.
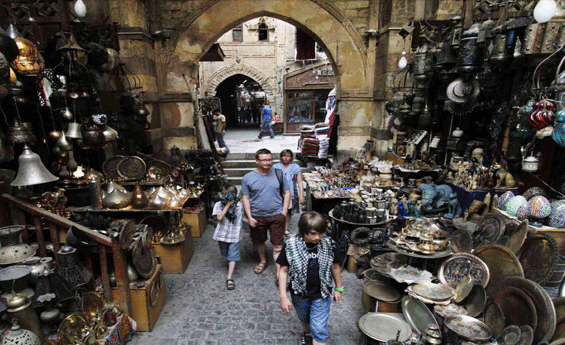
pixel 231 70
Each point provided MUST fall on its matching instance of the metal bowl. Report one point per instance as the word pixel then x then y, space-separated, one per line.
pixel 14 278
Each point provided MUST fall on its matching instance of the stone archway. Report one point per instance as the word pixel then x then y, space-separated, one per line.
pixel 345 47
pixel 226 72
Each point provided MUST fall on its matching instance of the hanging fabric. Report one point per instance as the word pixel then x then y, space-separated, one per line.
pixel 305 46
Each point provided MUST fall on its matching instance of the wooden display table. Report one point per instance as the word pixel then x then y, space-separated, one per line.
pixel 196 218
pixel 175 257
pixel 147 301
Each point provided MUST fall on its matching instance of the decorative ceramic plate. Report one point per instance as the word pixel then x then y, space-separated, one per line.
pixel 131 168
pixel 417 314
pixel 502 264
pixel 384 327
pixel 462 265
pixel 109 167
pixel 541 245
pixel 543 304
pixel 468 327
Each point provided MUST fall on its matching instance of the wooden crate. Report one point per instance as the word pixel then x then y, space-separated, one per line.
pixel 147 302
pixel 197 220
pixel 176 257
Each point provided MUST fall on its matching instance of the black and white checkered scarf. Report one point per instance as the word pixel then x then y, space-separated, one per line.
pixel 297 256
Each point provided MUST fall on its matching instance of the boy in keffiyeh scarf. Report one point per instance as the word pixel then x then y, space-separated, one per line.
pixel 310 260
pixel 229 212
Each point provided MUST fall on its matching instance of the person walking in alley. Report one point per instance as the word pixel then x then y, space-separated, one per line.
pixel 310 260
pixel 229 212
pixel 266 119
pixel 293 172
pixel 265 200
pixel 220 129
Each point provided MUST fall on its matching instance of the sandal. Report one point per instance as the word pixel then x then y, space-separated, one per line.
pixel 230 284
pixel 260 267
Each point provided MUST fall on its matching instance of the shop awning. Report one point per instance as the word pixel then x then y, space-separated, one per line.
pixel 215 53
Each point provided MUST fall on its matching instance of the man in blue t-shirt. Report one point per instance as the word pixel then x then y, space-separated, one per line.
pixel 266 119
pixel 265 206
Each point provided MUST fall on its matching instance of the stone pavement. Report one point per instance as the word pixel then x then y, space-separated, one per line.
pixel 246 141
pixel 200 310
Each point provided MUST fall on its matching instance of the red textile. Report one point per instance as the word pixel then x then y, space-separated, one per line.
pixel 305 46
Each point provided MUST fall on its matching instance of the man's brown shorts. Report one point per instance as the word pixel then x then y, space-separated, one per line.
pixel 275 225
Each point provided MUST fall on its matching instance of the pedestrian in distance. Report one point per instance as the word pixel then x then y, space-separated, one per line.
pixel 265 200
pixel 293 173
pixel 220 129
pixel 229 212
pixel 266 119
pixel 309 260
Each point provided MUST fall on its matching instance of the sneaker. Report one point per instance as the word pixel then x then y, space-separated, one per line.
pixel 306 339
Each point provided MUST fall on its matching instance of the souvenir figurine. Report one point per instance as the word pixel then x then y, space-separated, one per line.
pixel 454 208
pixel 443 195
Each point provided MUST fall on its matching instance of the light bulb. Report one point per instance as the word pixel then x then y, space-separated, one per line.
pixel 403 61
pixel 80 8
pixel 545 10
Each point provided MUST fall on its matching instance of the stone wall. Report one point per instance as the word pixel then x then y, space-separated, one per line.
pixel 360 37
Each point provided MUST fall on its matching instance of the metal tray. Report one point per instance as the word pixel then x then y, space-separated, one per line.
pixel 436 292
pixel 517 306
pixel 544 307
pixel 494 317
pixel 461 265
pixel 417 314
pixel 489 230
pixel 384 327
pixel 502 263
pixel 526 335
pixel 541 245
pixel 468 327
pixel 109 167
pixel 381 291
pixel 131 168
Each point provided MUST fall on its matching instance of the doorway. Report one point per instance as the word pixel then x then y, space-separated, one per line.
pixel 241 98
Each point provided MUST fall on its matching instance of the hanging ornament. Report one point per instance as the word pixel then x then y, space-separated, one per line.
pixel 80 8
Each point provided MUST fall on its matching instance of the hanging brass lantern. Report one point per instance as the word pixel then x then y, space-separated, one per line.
pixel 17 133
pixel 29 61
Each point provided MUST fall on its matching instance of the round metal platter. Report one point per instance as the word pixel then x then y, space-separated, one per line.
pixel 462 265
pixel 71 329
pixel 510 335
pixel 494 317
pixel 517 306
pixel 559 329
pixel 515 235
pixel 131 168
pixel 541 245
pixel 543 304
pixel 417 314
pixel 384 327
pixel 158 169
pixel 381 291
pixel 559 305
pixel 476 301
pixel 502 263
pixel 526 335
pixel 144 260
pixel 460 241
pixel 489 230
pixel 436 292
pixel 468 327
pixel 109 167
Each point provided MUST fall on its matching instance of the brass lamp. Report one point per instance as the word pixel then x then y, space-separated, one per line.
pixel 31 170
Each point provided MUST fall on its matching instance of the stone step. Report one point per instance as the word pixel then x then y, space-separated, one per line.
pixel 243 163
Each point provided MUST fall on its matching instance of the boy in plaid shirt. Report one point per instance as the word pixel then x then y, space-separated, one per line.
pixel 229 212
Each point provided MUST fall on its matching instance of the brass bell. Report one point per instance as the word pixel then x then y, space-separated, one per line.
pixel 67 115
pixel 31 170
pixel 74 131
